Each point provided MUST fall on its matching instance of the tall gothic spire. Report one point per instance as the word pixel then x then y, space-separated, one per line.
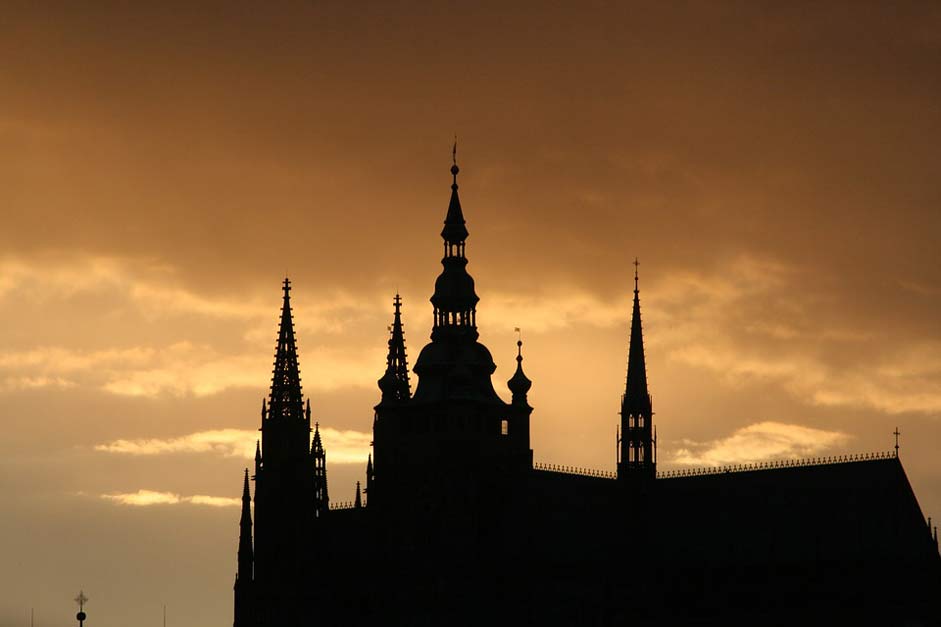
pixel 636 397
pixel 637 447
pixel 245 553
pixel 286 398
pixel 394 383
pixel 454 300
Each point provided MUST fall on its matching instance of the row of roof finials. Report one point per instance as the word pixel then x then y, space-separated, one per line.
pixel 693 472
pixel 715 470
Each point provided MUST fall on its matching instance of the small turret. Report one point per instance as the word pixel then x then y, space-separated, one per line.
pixel 519 384
pixel 319 456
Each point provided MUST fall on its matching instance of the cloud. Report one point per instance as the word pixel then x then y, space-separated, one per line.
pixel 31 383
pixel 761 441
pixel 144 498
pixel 342 446
pixel 181 368
pixel 908 380
pixel 742 323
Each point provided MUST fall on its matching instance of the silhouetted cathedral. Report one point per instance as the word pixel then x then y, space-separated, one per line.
pixel 460 528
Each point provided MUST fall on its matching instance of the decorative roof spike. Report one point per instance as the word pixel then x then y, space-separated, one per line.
pixel 636 397
pixel 519 383
pixel 286 400
pixel 394 383
pixel 358 503
pixel 316 446
pixel 245 551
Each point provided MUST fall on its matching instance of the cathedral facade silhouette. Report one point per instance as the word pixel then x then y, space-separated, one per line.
pixel 461 528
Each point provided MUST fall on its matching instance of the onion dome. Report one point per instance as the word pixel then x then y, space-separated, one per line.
pixel 519 383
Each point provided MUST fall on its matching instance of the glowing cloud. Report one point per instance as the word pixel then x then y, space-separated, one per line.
pixel 144 498
pixel 343 447
pixel 762 441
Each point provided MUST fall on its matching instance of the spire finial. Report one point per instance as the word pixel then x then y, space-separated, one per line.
pixel 519 344
pixel 636 264
pixel 454 168
pixel 896 433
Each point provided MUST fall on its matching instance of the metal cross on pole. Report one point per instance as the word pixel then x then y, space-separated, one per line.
pixel 81 599
pixel 896 433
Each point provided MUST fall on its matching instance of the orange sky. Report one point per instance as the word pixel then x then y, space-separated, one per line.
pixel 774 169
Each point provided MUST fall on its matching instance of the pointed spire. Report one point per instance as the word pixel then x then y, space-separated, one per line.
pixel 519 384
pixel 394 383
pixel 257 455
pixel 369 473
pixel 455 231
pixel 319 455
pixel 358 503
pixel 636 397
pixel 316 445
pixel 307 412
pixel 245 553
pixel 638 448
pixel 286 381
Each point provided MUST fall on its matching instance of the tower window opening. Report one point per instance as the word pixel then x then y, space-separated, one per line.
pixel 504 427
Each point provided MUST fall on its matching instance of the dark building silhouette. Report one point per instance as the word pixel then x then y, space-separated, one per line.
pixel 460 528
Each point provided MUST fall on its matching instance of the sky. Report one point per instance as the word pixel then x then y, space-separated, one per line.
pixel 772 166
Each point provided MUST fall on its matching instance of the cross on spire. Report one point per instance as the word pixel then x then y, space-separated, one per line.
pixel 636 265
pixel 896 433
